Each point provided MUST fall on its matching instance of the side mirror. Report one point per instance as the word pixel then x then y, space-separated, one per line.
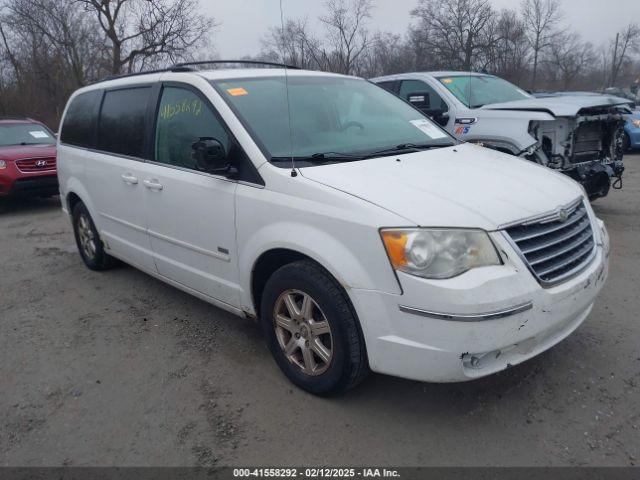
pixel 211 157
pixel 438 115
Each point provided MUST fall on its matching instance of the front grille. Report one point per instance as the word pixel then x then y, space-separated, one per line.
pixel 556 248
pixel 30 165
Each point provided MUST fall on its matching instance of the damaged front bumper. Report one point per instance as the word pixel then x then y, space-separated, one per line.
pixel 588 148
pixel 476 324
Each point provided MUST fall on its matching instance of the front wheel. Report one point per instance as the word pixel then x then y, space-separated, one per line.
pixel 311 329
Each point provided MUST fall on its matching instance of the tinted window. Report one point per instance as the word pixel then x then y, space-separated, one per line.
pixel 416 86
pixel 391 86
pixel 477 90
pixel 80 120
pixel 183 119
pixel 122 126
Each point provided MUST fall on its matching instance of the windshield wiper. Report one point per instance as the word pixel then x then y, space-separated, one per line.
pixel 408 148
pixel 321 157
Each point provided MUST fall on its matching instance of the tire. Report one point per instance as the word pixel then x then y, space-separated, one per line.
pixel 347 365
pixel 88 240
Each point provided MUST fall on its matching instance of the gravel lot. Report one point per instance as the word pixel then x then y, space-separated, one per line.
pixel 118 368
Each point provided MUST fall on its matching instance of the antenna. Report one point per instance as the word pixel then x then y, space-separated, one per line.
pixel 286 86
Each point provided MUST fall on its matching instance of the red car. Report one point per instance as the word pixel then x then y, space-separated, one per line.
pixel 27 159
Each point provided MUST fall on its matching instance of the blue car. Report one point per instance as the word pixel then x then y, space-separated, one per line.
pixel 632 131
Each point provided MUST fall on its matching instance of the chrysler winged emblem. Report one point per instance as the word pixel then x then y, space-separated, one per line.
pixel 563 215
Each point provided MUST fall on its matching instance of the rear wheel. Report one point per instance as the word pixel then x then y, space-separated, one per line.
pixel 311 330
pixel 88 240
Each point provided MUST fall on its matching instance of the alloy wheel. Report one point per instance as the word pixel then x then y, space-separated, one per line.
pixel 303 332
pixel 87 238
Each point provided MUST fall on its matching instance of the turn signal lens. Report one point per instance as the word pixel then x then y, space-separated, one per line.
pixel 395 242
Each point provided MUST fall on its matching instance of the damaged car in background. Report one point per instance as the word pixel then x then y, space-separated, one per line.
pixel 581 136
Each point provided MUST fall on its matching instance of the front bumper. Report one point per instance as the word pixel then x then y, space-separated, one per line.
pixel 427 348
pixel 13 182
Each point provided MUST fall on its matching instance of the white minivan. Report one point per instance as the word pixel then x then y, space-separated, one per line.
pixel 359 233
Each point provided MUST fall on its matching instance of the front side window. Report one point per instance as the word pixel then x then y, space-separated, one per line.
pixel 474 91
pixel 25 134
pixel 330 116
pixel 80 120
pixel 122 125
pixel 183 121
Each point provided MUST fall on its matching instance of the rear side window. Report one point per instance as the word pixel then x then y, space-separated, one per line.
pixel 122 125
pixel 80 120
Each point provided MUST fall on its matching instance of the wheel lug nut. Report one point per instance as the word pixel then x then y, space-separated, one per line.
pixel 297 335
pixel 306 344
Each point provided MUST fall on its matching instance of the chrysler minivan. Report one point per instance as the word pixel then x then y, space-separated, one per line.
pixel 360 234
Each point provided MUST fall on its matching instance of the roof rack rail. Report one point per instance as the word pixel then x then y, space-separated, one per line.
pixel 135 74
pixel 184 65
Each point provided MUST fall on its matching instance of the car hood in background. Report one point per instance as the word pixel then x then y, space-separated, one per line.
pixel 560 106
pixel 463 186
pixel 17 152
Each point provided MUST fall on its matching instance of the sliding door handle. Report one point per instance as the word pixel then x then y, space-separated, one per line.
pixel 130 179
pixel 153 184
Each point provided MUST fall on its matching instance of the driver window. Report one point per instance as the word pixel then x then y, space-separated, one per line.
pixel 407 87
pixel 184 119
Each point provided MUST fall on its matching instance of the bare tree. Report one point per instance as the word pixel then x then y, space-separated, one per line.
pixel 292 44
pixel 347 35
pixel 455 31
pixel 509 56
pixel 144 31
pixel 541 19
pixel 67 32
pixel 569 59
pixel 626 41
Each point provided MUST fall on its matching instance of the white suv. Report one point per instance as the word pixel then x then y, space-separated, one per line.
pixel 361 234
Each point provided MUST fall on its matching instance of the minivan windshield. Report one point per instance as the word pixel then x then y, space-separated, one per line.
pixel 477 90
pixel 332 118
pixel 25 134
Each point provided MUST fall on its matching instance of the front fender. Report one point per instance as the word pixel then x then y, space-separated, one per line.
pixel 319 245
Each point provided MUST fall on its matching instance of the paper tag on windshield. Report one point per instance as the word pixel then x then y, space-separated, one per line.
pixel 39 134
pixel 427 127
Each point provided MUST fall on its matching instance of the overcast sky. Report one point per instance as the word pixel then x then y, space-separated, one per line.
pixel 244 22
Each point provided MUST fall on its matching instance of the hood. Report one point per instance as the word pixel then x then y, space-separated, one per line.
pixel 17 152
pixel 567 106
pixel 462 186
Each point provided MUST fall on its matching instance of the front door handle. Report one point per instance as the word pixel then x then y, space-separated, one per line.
pixel 130 179
pixel 153 184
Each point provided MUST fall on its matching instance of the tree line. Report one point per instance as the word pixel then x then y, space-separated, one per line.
pixel 49 48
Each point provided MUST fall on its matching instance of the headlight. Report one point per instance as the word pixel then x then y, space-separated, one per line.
pixel 3 164
pixel 636 122
pixel 438 253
